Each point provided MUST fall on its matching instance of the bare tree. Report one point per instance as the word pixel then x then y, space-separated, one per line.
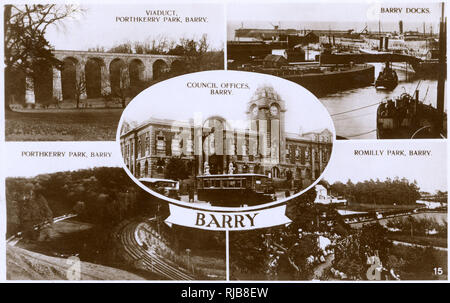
pixel 25 27
pixel 24 39
pixel 123 48
pixel 123 90
pixel 98 48
pixel 203 45
pixel 80 88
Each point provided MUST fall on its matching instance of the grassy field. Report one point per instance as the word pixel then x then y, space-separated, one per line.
pixel 88 125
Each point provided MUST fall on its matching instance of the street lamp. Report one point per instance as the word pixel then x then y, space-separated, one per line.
pixel 411 224
pixel 188 251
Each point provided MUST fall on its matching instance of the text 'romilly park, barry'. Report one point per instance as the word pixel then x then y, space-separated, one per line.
pixel 391 152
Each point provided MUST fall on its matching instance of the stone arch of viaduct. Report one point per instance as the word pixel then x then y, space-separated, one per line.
pixel 103 72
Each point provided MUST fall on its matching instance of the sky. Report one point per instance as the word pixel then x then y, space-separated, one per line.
pixel 98 26
pixel 342 11
pixel 430 172
pixel 342 16
pixel 172 99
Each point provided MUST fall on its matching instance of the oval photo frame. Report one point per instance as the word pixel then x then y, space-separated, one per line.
pixel 286 129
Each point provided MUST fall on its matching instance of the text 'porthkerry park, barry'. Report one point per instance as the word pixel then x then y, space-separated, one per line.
pixel 62 154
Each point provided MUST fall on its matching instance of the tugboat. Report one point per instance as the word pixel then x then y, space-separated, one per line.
pixel 408 118
pixel 387 78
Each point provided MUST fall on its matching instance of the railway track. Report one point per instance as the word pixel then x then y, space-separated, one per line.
pixel 150 261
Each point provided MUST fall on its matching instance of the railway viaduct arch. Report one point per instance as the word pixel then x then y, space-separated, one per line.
pixel 104 72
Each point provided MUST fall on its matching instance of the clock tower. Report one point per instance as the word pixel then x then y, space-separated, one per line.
pixel 266 111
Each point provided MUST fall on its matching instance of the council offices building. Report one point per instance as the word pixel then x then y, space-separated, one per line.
pixel 264 147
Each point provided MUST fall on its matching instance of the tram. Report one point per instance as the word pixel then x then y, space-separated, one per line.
pixel 235 190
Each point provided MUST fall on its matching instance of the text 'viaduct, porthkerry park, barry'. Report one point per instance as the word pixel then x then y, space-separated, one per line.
pixel 58 88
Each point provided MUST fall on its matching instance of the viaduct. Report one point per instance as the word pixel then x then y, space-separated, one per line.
pixel 104 73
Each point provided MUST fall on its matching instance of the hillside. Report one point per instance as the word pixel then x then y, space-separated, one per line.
pixel 26 265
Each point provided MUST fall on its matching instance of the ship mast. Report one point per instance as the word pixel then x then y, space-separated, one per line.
pixel 442 72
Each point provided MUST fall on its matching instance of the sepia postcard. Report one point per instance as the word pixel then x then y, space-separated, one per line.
pixel 224 141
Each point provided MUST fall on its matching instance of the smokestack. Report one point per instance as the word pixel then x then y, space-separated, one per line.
pixel 386 44
pixel 381 43
pixel 400 27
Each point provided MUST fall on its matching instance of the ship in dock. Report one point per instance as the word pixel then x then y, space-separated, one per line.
pixel 317 78
pixel 405 117
pixel 295 56
pixel 340 57
pixel 387 78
